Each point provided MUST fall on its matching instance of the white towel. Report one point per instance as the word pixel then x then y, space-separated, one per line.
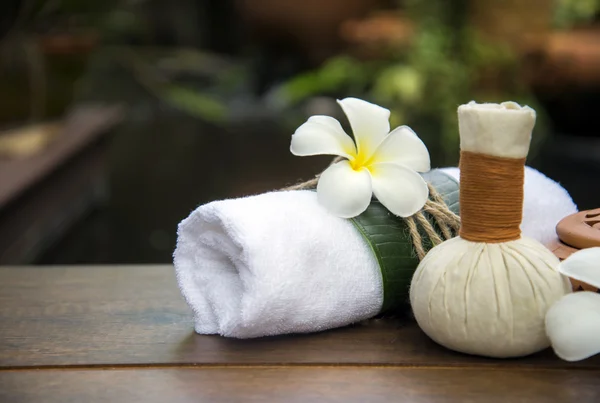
pixel 272 264
pixel 278 263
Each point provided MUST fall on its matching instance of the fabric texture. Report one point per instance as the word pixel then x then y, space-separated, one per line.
pixel 272 264
pixel 489 298
pixel 501 130
pixel 545 203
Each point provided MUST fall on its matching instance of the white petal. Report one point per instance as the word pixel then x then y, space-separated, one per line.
pixel 400 189
pixel 322 135
pixel 370 124
pixel 583 265
pixel 573 326
pixel 344 191
pixel 403 146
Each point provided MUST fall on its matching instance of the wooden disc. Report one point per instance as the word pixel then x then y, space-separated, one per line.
pixel 580 230
pixel 577 231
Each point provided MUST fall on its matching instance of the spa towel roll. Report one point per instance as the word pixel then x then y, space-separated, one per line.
pixel 279 263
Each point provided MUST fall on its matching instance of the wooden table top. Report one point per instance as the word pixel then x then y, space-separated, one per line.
pixel 124 334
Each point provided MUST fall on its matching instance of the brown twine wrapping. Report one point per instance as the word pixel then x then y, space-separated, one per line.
pixel 447 222
pixel 491 197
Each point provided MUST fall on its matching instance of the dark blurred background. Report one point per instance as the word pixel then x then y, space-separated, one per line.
pixel 119 117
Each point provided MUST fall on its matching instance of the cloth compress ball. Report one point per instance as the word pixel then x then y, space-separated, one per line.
pixel 486 292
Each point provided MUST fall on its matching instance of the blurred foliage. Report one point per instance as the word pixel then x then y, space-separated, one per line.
pixel 569 13
pixel 183 78
pixel 63 15
pixel 445 65
pixel 195 103
pixel 158 72
pixel 186 80
pixel 44 52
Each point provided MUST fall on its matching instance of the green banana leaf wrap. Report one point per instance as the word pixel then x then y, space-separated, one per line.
pixel 389 238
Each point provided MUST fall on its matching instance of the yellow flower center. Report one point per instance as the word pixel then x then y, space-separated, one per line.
pixel 360 161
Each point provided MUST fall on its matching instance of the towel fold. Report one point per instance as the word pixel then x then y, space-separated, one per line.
pixel 279 263
pixel 272 264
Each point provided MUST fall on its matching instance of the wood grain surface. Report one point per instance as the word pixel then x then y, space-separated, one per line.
pixel 304 384
pixel 132 315
pixel 124 334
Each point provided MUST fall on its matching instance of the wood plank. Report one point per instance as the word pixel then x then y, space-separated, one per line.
pixel 130 315
pixel 45 212
pixel 82 127
pixel 300 384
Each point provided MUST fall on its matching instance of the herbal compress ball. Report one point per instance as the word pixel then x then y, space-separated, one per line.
pixel 486 292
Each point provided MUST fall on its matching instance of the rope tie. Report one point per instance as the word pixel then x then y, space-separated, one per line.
pixel 491 197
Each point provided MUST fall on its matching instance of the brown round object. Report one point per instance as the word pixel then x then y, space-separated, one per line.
pixel 577 231
pixel 561 250
pixel 580 230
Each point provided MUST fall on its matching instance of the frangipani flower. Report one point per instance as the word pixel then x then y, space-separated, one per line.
pixel 573 323
pixel 380 162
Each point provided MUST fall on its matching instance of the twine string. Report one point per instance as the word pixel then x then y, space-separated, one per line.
pixel 491 197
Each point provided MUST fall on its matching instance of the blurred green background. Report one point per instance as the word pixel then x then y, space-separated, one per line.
pixel 117 118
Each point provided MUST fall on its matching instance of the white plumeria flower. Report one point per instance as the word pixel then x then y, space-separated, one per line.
pixel 380 163
pixel 573 322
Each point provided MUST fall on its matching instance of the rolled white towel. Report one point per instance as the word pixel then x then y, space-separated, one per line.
pixel 279 263
pixel 272 264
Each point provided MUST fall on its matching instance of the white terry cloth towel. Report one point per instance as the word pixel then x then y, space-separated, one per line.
pixel 272 264
pixel 545 203
pixel 279 263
